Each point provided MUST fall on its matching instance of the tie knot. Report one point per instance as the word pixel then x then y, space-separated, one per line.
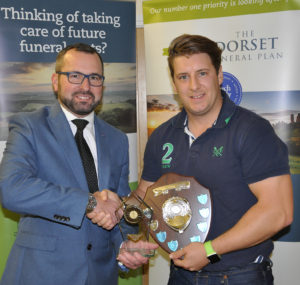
pixel 80 124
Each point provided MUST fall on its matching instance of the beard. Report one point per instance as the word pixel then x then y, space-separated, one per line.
pixel 80 108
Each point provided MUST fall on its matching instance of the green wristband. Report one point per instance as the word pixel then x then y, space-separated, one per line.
pixel 211 255
pixel 208 248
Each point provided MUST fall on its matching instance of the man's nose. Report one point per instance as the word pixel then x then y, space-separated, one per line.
pixel 194 82
pixel 85 84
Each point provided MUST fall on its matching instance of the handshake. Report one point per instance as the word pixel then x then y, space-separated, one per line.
pixel 107 209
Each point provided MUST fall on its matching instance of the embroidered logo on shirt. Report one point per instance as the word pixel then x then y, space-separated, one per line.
pixel 166 159
pixel 218 152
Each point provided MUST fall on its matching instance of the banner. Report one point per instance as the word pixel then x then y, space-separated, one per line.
pixel 260 41
pixel 31 35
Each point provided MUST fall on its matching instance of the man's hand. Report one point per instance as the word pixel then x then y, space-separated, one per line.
pixel 133 259
pixel 192 257
pixel 110 195
pixel 108 212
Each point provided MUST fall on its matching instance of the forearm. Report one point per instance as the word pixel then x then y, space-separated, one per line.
pixel 142 188
pixel 254 227
pixel 272 212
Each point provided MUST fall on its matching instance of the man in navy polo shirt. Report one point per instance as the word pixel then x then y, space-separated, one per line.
pixel 234 153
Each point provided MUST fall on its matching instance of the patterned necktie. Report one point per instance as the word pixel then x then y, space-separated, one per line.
pixel 86 155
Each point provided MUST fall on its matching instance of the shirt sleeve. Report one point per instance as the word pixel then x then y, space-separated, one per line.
pixel 151 171
pixel 262 153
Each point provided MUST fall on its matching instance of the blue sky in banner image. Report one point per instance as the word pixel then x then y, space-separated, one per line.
pixel 25 87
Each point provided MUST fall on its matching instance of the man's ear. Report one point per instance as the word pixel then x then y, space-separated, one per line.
pixel 220 75
pixel 173 85
pixel 54 79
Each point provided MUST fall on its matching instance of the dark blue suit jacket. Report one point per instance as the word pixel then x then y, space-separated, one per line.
pixel 42 178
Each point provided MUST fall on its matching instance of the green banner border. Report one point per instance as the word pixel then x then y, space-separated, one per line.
pixel 157 11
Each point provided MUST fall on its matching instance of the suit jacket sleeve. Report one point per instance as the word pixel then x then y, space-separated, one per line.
pixel 35 180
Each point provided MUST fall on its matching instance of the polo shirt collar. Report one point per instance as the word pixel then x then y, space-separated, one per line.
pixel 180 120
pixel 227 111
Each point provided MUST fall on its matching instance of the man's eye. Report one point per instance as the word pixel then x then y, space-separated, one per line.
pixel 202 73
pixel 182 77
pixel 95 77
pixel 75 75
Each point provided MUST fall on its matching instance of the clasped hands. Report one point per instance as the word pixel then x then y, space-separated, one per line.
pixel 108 211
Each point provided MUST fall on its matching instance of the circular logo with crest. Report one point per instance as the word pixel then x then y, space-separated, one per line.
pixel 232 87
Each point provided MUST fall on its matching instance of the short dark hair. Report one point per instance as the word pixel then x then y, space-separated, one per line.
pixel 78 47
pixel 191 44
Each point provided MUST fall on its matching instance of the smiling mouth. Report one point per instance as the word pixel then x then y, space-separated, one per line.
pixel 83 97
pixel 197 96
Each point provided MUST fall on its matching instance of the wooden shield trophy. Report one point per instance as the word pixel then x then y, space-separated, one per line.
pixel 176 211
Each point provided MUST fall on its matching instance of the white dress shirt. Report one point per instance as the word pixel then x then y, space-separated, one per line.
pixel 88 132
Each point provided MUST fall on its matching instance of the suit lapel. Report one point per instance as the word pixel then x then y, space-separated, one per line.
pixel 63 134
pixel 104 163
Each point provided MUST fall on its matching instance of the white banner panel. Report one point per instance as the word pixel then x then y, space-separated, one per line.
pixel 260 42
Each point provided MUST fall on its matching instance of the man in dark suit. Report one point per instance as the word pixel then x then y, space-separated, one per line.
pixel 66 233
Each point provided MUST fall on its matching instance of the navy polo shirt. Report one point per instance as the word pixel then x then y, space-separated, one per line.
pixel 239 149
